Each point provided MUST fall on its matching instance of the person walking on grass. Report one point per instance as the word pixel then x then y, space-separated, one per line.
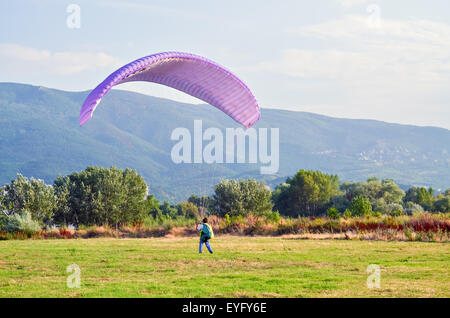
pixel 206 233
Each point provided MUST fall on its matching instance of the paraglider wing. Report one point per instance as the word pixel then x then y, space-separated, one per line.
pixel 192 74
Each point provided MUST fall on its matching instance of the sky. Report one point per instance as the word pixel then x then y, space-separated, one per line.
pixel 383 60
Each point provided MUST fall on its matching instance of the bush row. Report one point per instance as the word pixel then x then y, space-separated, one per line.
pixel 420 226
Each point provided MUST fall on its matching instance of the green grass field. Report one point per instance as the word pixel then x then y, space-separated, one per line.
pixel 240 267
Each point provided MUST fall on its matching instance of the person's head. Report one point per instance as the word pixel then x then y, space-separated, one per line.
pixel 205 220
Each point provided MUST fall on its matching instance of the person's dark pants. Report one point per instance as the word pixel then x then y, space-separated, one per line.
pixel 206 241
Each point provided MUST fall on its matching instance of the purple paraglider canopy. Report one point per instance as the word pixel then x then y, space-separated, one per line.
pixel 189 73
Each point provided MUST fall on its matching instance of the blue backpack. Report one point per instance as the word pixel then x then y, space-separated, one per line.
pixel 207 231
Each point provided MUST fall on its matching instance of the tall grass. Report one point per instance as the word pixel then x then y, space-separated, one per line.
pixel 418 227
pixel 167 222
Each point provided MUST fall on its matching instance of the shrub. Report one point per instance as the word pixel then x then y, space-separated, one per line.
pixel 347 214
pixel 428 222
pixel 273 217
pixel 417 214
pixel 233 220
pixel 188 210
pixel 22 223
pixel 317 225
pixel 166 221
pixel 391 222
pixel 395 209
pixel 333 213
pixel 227 219
pixel 3 221
pixel 442 204
pixel 332 226
pixel 238 219
pixel 288 226
pixel 360 206
pixel 255 226
pixel 32 195
pixel 409 233
pixel 233 224
pixel 411 208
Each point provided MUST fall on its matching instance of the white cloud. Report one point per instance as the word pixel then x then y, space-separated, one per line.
pixel 386 71
pixel 16 58
pixel 74 62
pixel 416 52
pixel 357 27
pixel 25 54
pixel 320 64
pixel 154 9
pixel 350 3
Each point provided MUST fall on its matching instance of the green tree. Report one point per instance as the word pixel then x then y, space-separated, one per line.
pixel 195 200
pixel 280 197
pixel 100 195
pixel 411 195
pixel 3 208
pixel 21 222
pixel 422 196
pixel 227 198
pixel 32 195
pixel 202 203
pixel 391 192
pixel 333 213
pixel 411 207
pixel 425 197
pixel 256 197
pixel 442 204
pixel 62 213
pixel 169 210
pixel 242 197
pixel 340 202
pixel 395 209
pixel 188 210
pixel 347 214
pixel 307 193
pixel 381 194
pixel 360 206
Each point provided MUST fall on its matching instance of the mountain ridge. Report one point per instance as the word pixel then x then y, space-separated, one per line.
pixel 133 129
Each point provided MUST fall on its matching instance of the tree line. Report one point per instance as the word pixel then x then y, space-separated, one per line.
pixel 113 196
